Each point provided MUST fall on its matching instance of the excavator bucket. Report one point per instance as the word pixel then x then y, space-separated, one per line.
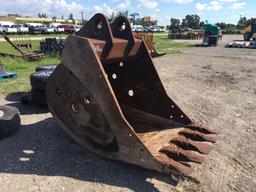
pixel 107 96
pixel 148 38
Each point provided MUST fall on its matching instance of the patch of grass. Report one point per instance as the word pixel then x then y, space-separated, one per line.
pixel 163 44
pixel 161 34
pixel 23 69
pixel 5 47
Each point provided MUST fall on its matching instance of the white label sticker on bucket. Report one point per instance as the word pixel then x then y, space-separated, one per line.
pixel 97 48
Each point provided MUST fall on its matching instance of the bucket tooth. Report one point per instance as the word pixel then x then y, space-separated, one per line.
pixel 201 128
pixel 180 154
pixel 184 169
pixel 107 95
pixel 185 143
pixel 196 135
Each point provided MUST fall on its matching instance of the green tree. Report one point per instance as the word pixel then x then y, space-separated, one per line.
pixel 134 17
pixel 191 21
pixel 242 23
pixel 44 15
pixel 174 23
pixel 70 16
pixel 250 21
pixel 201 24
pixel 221 25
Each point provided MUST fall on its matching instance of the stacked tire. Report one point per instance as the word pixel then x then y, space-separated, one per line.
pixel 9 121
pixel 38 82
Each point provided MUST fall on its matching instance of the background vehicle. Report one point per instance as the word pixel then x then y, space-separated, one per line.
pixel 40 29
pixel 148 30
pixel 250 32
pixel 77 28
pixel 68 28
pixel 7 29
pixel 21 29
pixel 34 28
pixel 154 29
pixel 138 28
pixel 44 29
pixel 161 29
pixel 60 30
pixel 211 35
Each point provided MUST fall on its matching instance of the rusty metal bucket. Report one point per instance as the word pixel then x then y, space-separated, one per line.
pixel 148 38
pixel 107 96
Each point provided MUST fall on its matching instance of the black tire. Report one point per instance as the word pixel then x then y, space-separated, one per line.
pixel 38 96
pixel 9 121
pixel 46 67
pixel 247 36
pixel 38 79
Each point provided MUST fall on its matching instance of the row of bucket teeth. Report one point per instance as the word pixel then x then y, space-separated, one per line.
pixel 192 144
pixel 186 170
pixel 196 135
pixel 178 153
pixel 186 143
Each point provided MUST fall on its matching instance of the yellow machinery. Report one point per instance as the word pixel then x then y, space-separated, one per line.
pixel 250 32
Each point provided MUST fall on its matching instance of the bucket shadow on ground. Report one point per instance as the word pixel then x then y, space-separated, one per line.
pixel 44 149
pixel 25 109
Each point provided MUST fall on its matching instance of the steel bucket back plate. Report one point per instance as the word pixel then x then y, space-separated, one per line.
pixel 107 96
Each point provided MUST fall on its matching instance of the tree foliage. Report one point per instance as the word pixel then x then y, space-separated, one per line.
pixel 134 17
pixel 191 21
pixel 42 15
pixel 174 23
pixel 244 22
pixel 71 16
pixel 241 23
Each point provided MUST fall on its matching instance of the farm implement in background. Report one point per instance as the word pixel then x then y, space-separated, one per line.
pixel 28 56
pixel 148 38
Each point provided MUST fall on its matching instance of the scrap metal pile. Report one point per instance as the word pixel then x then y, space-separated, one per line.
pixel 189 35
pixel 241 44
pixel 106 94
pixel 182 33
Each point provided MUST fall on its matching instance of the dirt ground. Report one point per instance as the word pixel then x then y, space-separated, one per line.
pixel 216 86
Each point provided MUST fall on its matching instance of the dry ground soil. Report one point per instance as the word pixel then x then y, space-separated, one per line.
pixel 215 86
